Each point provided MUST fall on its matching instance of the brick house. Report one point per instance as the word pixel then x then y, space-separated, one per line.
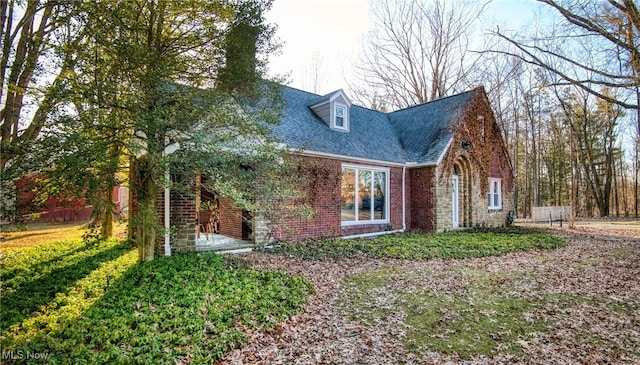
pixel 60 207
pixel 437 166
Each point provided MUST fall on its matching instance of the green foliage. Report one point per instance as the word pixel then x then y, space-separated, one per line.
pixel 424 246
pixel 148 74
pixel 34 277
pixel 95 305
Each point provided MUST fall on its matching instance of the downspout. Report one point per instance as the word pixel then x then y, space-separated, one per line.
pixel 167 208
pixel 167 223
pixel 404 198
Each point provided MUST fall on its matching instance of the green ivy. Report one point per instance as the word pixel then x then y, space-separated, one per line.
pixel 96 304
pixel 425 246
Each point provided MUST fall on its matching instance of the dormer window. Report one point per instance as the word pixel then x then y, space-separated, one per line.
pixel 340 117
pixel 333 109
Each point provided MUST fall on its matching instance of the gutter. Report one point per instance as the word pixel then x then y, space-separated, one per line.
pixel 409 164
pixel 347 158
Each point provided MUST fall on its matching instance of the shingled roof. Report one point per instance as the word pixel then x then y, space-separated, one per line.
pixel 418 134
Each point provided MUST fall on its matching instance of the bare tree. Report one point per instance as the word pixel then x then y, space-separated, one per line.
pixel 594 130
pixel 314 75
pixel 418 51
pixel 594 47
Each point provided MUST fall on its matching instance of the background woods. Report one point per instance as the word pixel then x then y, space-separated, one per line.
pixel 568 104
pixel 565 91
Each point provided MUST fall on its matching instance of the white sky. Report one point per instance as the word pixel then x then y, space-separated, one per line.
pixel 333 32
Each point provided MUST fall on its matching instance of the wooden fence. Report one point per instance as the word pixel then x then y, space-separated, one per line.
pixel 554 214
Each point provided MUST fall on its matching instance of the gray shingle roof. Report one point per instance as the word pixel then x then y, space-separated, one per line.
pixel 425 130
pixel 417 134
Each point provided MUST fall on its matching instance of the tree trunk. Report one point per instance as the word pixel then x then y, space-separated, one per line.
pixel 623 180
pixel 143 197
pixel 515 155
pixel 148 224
pixel 616 198
pixel 637 160
pixel 106 226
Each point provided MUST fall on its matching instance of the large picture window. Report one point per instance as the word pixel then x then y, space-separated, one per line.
pixel 364 195
pixel 495 194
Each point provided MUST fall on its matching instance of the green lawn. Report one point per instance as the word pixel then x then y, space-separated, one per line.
pixel 65 302
pixel 421 246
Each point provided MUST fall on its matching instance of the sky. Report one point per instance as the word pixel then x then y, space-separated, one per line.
pixel 330 35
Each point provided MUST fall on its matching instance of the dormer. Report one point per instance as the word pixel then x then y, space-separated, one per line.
pixel 334 110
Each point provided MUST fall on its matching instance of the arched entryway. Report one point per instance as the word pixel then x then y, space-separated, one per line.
pixel 461 194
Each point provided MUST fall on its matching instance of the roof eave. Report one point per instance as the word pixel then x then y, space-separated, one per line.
pixel 350 158
pixel 444 151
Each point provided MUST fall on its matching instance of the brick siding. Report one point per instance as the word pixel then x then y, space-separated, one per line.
pixel 420 185
pixel 230 219
pixel 183 222
pixel 324 194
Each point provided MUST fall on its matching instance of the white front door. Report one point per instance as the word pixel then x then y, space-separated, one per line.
pixel 454 201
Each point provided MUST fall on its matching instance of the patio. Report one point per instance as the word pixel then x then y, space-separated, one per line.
pixel 223 244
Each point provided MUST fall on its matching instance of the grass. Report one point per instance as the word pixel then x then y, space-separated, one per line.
pixel 421 246
pixel 36 233
pixel 71 302
pixel 478 315
pixel 477 320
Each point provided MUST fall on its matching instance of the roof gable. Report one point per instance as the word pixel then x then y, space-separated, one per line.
pixel 338 95
pixel 425 130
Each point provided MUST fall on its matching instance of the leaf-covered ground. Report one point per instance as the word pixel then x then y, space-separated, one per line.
pixel 576 304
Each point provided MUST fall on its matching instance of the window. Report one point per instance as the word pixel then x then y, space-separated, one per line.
pixel 495 193
pixel 340 117
pixel 364 195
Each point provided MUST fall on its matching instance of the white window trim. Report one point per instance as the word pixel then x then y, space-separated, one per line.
pixel 387 196
pixel 345 121
pixel 491 194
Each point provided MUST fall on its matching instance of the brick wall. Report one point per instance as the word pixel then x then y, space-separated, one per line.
pixel 421 198
pixel 183 219
pixel 323 193
pixel 230 219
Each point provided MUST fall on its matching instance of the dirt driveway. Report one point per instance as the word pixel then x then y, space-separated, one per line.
pixel 597 319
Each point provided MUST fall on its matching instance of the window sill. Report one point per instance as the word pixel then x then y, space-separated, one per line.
pixel 363 223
